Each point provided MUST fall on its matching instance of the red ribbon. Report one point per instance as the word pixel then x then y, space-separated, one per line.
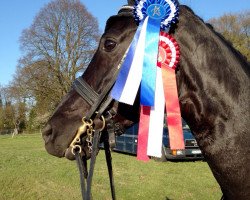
pixel 143 134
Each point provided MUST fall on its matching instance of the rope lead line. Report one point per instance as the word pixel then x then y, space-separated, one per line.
pixel 81 172
pixel 109 165
pixel 95 149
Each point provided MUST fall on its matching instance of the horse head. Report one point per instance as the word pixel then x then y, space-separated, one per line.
pixel 62 126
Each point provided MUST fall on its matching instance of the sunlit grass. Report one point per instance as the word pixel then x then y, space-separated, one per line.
pixel 27 172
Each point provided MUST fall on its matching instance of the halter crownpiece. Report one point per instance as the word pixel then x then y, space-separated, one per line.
pixel 148 67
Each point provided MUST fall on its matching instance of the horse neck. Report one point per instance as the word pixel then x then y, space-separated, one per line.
pixel 214 89
pixel 212 76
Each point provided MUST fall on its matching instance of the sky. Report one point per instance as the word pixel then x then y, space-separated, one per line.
pixel 17 15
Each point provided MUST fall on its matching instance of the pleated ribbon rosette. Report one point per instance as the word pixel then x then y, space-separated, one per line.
pixel 149 67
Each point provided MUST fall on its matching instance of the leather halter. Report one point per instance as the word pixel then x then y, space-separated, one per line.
pixel 100 104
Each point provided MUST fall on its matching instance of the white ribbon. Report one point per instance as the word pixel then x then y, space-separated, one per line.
pixel 133 81
pixel 156 119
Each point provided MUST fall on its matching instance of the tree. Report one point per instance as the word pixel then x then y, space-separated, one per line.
pixel 236 29
pixel 7 109
pixel 58 45
pixel 32 125
pixel 1 111
pixel 13 110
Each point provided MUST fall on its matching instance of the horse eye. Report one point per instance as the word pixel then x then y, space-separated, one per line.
pixel 109 45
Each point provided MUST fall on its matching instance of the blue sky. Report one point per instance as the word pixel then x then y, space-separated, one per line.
pixel 16 15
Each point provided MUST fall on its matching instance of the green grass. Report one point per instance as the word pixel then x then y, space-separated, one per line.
pixel 27 172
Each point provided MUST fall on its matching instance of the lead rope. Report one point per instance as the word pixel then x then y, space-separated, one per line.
pixel 87 122
pixel 95 149
pixel 80 165
pixel 109 165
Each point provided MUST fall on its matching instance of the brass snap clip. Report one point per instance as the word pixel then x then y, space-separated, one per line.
pixel 75 144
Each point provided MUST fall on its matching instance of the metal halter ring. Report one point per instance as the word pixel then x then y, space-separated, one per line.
pixel 76 147
pixel 103 123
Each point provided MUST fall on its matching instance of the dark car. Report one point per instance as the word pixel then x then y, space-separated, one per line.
pixel 127 143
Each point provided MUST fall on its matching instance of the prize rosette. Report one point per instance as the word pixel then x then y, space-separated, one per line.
pixel 165 10
pixel 139 73
pixel 169 51
pixel 168 58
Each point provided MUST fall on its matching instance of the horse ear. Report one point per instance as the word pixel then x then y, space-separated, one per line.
pixel 131 2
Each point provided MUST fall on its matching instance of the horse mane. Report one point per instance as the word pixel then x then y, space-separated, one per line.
pixel 210 63
pixel 126 11
pixel 241 58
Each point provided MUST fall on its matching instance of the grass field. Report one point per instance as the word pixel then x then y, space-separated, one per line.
pixel 27 172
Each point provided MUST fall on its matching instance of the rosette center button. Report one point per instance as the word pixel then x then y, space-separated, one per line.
pixel 156 11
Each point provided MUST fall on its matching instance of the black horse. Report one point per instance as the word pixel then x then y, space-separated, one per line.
pixel 213 87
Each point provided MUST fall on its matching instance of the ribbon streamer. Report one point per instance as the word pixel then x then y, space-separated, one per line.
pixel 156 119
pixel 174 122
pixel 143 134
pixel 125 68
pixel 132 83
pixel 149 63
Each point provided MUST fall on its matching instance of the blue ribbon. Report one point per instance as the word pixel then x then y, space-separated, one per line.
pixel 150 62
pixel 123 74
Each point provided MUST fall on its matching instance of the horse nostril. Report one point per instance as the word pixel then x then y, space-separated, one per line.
pixel 47 132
